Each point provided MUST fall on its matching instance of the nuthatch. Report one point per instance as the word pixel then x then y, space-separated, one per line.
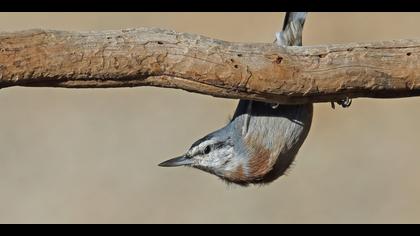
pixel 261 141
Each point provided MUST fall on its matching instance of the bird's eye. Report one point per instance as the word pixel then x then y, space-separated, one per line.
pixel 207 150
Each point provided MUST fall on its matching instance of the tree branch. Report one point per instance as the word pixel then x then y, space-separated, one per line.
pixel 254 71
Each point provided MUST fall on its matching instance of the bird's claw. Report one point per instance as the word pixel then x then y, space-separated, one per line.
pixel 346 102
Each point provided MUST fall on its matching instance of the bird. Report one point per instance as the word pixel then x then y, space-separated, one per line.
pixel 261 140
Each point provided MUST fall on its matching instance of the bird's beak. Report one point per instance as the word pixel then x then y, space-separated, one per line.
pixel 177 161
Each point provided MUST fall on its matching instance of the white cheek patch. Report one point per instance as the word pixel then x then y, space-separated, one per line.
pixel 206 162
pixel 217 158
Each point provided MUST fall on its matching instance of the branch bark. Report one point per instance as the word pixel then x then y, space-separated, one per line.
pixel 254 71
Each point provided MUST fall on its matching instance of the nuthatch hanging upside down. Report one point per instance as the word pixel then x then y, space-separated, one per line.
pixel 261 141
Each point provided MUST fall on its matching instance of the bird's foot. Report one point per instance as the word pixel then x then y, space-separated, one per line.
pixel 346 102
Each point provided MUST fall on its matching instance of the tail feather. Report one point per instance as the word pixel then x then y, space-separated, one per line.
pixel 291 34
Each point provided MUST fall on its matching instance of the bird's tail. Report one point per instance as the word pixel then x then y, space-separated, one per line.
pixel 291 34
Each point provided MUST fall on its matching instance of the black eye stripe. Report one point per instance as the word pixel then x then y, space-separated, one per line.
pixel 217 145
pixel 198 142
pixel 213 146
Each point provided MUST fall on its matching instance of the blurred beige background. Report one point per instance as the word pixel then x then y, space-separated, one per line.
pixel 90 156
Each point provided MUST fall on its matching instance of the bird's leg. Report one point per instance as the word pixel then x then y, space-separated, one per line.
pixel 346 102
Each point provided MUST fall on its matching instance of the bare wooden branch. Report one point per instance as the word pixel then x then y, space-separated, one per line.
pixel 164 58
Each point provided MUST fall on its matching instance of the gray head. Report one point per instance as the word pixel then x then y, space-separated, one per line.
pixel 254 148
pixel 215 153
